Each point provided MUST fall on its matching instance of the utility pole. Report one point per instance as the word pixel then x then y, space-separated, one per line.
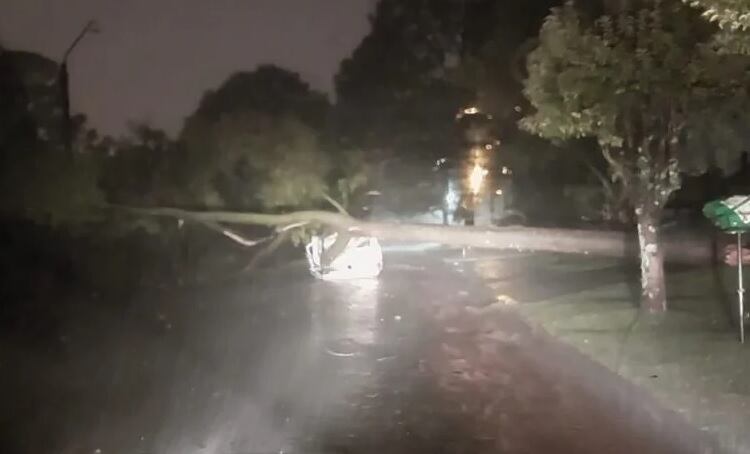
pixel 64 85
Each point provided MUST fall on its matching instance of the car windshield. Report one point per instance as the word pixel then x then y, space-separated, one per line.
pixel 374 226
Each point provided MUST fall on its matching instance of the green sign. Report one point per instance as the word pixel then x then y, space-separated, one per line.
pixel 730 214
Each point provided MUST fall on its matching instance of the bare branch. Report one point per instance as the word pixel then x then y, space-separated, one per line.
pixel 605 182
pixel 292 226
pixel 243 241
pixel 234 236
pixel 619 170
pixel 340 208
pixel 620 173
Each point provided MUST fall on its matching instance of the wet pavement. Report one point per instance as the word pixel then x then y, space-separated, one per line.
pixel 528 393
pixel 413 362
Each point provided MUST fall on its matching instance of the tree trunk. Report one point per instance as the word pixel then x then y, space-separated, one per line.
pixel 601 243
pixel 653 285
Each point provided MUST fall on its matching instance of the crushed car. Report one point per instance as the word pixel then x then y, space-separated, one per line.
pixel 361 258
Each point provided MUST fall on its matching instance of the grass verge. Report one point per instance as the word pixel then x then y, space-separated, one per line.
pixel 689 359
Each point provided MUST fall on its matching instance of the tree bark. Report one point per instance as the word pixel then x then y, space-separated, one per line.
pixel 653 285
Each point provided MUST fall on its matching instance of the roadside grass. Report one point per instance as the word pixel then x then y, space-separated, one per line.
pixel 690 359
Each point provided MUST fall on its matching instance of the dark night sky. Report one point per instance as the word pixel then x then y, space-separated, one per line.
pixel 154 58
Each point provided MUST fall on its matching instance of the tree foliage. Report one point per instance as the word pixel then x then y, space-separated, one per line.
pixel 733 17
pixel 394 93
pixel 140 167
pixel 261 142
pixel 47 187
pixel 643 82
pixel 39 180
pixel 269 90
pixel 729 14
pixel 497 38
pixel 29 100
pixel 254 161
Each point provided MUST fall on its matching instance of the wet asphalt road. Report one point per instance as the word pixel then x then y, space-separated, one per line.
pixel 284 363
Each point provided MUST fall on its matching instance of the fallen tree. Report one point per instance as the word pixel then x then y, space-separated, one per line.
pixel 682 248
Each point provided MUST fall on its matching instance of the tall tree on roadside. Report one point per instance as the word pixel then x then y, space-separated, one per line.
pixel 394 94
pixel 259 127
pixel 635 80
pixel 269 90
pixel 259 162
pixel 397 100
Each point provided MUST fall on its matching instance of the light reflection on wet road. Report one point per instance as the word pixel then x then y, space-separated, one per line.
pixel 290 364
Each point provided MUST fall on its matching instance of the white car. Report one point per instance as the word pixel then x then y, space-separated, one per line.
pixel 362 258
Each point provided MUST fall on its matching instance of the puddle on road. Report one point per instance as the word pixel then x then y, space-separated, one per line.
pixel 347 314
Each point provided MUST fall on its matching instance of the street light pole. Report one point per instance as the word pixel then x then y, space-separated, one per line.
pixel 64 85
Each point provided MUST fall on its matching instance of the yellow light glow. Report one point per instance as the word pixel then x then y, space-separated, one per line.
pixel 476 178
pixel 499 192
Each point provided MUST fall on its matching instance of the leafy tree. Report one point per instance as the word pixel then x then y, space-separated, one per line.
pixel 397 100
pixel 493 68
pixel 39 182
pixel 269 90
pixel 423 61
pixel 636 80
pixel 253 161
pixel 733 17
pixel 48 187
pixel 731 14
pixel 29 107
pixel 139 168
pixel 495 46
pixel 261 141
pixel 257 143
pixel 394 94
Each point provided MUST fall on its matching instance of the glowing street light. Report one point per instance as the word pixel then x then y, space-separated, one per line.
pixel 476 178
pixel 468 111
